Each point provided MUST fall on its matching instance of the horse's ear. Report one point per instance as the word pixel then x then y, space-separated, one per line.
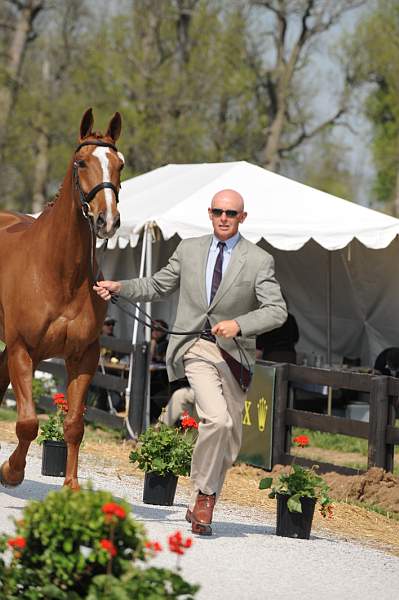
pixel 86 123
pixel 114 127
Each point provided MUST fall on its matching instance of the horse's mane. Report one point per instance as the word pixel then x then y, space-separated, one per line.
pixel 54 199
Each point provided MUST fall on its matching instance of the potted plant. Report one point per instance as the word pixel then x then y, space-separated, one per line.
pixel 54 454
pixel 86 544
pixel 163 454
pixel 297 493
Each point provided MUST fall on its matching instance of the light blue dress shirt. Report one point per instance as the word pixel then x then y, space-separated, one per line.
pixel 212 256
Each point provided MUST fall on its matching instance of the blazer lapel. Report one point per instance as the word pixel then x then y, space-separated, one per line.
pixel 203 258
pixel 236 263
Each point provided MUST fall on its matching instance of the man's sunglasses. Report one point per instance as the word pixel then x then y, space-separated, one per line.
pixel 217 212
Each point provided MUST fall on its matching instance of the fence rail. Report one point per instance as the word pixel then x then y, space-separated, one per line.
pixel 116 383
pixel 380 431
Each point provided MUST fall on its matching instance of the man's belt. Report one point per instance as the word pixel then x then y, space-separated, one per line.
pixel 209 337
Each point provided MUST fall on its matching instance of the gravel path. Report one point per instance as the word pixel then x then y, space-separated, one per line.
pixel 243 560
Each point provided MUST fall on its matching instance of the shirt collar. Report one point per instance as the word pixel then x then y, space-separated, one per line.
pixel 230 243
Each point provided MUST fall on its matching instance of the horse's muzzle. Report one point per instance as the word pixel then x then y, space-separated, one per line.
pixel 103 227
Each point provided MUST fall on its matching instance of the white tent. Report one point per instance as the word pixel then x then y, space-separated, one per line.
pixel 336 261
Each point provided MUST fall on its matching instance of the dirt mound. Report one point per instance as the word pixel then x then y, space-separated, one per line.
pixel 375 487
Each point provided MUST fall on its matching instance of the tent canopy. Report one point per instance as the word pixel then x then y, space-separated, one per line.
pixel 307 232
pixel 285 213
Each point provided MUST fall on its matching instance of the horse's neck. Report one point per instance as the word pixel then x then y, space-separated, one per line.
pixel 68 233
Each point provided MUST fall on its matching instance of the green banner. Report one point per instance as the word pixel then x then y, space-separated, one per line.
pixel 257 423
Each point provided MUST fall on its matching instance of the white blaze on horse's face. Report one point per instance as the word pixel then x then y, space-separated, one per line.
pixel 102 154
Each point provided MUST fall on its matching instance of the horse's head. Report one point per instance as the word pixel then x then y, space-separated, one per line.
pixel 97 166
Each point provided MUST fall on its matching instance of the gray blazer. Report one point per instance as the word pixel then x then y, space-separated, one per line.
pixel 248 293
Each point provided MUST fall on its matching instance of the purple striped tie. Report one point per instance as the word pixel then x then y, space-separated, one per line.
pixel 218 271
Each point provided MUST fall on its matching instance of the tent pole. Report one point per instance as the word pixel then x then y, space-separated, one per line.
pixel 148 273
pixel 329 328
pixel 329 307
pixel 134 341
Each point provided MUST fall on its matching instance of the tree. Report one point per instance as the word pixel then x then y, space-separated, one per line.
pixel 375 56
pixel 38 146
pixel 292 28
pixel 326 168
pixel 18 21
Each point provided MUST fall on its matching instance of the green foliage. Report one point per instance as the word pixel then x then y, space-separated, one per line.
pixel 142 584
pixel 164 449
pixel 53 428
pixel 59 553
pixel 299 483
pixel 63 535
pixel 375 55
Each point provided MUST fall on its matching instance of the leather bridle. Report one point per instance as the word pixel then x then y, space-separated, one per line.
pixel 85 199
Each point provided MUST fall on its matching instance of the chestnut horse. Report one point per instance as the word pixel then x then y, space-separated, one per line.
pixel 47 305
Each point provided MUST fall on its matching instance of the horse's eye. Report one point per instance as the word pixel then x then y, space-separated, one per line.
pixel 121 167
pixel 81 164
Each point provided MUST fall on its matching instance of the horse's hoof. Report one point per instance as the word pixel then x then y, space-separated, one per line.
pixel 5 478
pixel 73 484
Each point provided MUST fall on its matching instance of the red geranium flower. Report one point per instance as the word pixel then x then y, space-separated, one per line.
pixel 188 422
pixel 177 544
pixel 153 546
pixel 112 508
pixel 108 546
pixel 18 542
pixel 60 401
pixel 301 440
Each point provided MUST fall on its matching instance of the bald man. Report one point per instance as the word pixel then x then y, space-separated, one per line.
pixel 227 288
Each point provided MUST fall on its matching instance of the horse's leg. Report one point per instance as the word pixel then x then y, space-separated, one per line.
pixel 20 369
pixel 80 373
pixel 4 374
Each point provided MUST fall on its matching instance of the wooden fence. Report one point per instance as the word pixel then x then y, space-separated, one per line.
pixel 380 431
pixel 56 367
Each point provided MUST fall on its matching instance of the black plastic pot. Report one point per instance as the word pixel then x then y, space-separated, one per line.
pixel 54 458
pixel 159 489
pixel 294 524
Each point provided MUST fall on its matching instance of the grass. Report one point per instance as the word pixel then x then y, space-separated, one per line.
pixel 337 442
pixel 333 441
pixel 7 414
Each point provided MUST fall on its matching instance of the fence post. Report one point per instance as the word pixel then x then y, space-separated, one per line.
pixel 280 431
pixel 378 420
pixel 391 421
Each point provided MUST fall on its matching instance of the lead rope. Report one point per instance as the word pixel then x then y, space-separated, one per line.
pixel 115 299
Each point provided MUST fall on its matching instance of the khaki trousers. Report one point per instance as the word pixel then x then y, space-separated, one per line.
pixel 219 402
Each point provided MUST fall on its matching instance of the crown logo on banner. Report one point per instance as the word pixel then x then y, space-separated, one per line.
pixel 262 413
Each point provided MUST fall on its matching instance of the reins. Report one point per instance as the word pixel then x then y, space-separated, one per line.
pixel 85 200
pixel 154 324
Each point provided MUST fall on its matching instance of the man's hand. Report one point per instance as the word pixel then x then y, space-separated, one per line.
pixel 226 329
pixel 105 289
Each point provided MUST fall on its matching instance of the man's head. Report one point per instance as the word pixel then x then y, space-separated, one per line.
pixel 226 213
pixel 392 361
pixel 108 326
pixel 158 334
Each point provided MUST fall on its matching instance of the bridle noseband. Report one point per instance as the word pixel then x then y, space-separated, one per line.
pixel 85 199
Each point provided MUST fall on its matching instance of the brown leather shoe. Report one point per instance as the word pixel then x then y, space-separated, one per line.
pixel 201 515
